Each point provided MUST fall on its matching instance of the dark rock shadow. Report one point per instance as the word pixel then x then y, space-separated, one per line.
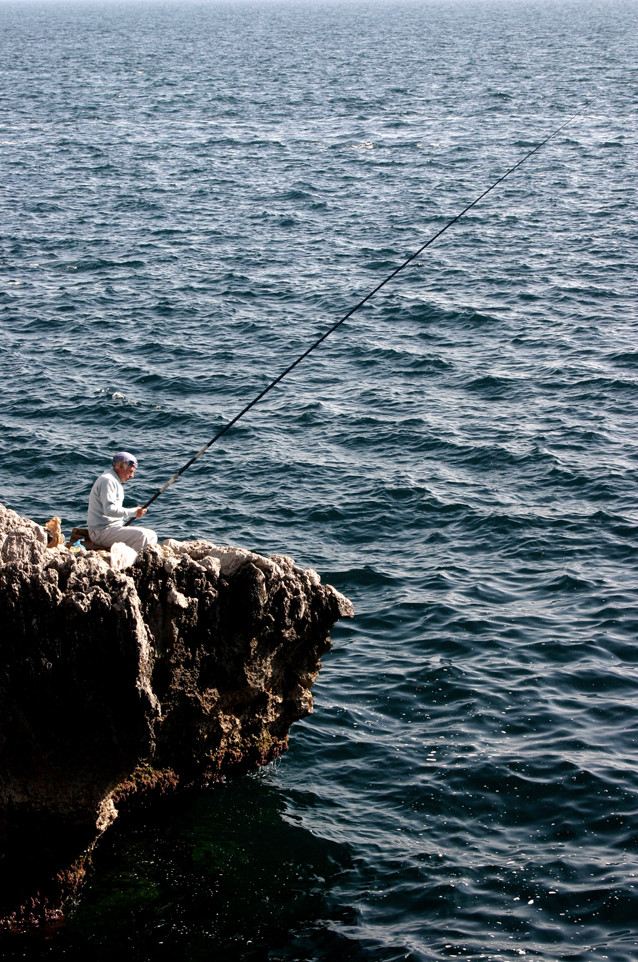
pixel 221 874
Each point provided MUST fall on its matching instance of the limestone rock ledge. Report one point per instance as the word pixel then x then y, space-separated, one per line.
pixel 190 665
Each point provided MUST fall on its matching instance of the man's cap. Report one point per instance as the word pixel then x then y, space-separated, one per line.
pixel 123 457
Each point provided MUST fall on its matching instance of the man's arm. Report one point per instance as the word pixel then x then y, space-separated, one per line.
pixel 111 498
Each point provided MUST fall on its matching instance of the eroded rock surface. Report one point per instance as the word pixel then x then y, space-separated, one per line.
pixel 191 664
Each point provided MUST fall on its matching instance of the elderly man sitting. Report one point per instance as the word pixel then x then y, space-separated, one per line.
pixel 106 515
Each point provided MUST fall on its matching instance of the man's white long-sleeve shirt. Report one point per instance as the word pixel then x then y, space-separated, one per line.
pixel 106 503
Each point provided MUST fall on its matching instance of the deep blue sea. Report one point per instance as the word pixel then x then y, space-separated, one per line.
pixel 190 194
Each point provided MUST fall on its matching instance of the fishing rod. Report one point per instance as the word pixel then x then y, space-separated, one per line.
pixel 345 317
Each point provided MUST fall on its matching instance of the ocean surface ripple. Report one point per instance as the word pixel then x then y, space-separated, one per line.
pixel 191 194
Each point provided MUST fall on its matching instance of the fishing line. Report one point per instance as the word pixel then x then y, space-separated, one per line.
pixel 352 310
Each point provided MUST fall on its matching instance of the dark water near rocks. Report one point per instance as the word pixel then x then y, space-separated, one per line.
pixel 190 194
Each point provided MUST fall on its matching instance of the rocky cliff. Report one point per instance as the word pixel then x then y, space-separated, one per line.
pixel 190 664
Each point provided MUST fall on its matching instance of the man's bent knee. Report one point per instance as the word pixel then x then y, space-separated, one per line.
pixel 136 538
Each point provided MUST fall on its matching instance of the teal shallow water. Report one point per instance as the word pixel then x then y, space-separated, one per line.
pixel 191 194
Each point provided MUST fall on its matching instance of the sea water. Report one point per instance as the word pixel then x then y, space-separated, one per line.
pixel 191 194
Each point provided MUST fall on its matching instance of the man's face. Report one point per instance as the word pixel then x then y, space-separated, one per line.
pixel 124 471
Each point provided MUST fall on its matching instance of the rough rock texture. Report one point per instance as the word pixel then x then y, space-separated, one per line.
pixel 191 664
